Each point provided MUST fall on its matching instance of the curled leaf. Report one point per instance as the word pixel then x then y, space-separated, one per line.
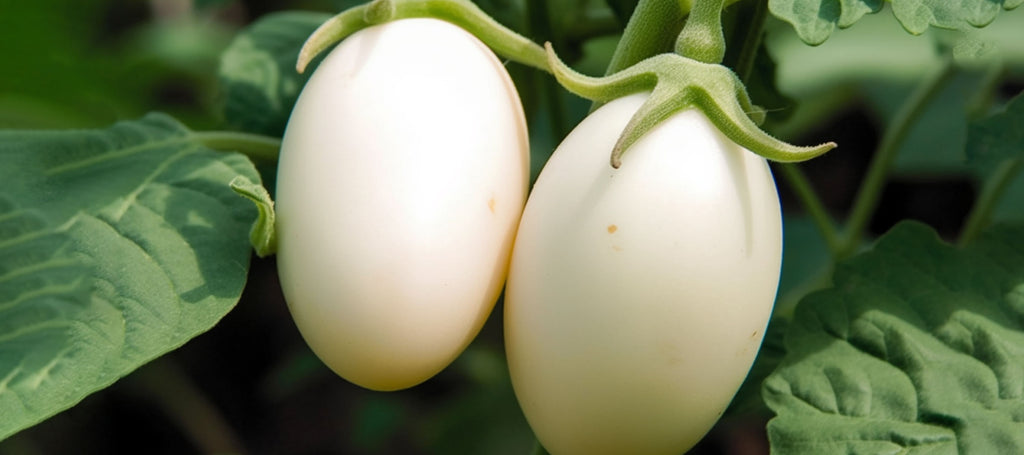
pixel 263 236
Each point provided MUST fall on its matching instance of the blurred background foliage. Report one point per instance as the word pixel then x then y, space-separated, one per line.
pixel 252 386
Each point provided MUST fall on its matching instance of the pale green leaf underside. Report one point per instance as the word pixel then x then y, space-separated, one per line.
pixel 257 71
pixel 116 246
pixel 918 348
pixel 815 20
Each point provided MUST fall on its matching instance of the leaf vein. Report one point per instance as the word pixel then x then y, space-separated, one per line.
pixel 134 194
pixel 54 289
pixel 114 154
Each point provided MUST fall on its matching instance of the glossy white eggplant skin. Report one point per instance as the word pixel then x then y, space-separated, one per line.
pixel 402 176
pixel 638 296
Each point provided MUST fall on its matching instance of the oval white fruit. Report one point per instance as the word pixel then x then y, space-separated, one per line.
pixel 638 296
pixel 402 176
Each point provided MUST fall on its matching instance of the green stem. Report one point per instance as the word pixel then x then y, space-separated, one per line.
pixel 870 191
pixel 798 182
pixel 991 192
pixel 991 77
pixel 651 30
pixel 593 25
pixel 702 38
pixel 463 13
pixel 752 40
pixel 178 396
pixel 255 146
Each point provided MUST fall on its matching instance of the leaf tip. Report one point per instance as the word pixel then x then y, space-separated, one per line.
pixel 263 235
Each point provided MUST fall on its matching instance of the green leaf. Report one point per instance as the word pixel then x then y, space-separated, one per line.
pixel 998 137
pixel 263 236
pixel 917 15
pixel 116 246
pixel 934 144
pixel 877 49
pixel 806 267
pixel 815 20
pixel 748 398
pixel 918 348
pixel 257 71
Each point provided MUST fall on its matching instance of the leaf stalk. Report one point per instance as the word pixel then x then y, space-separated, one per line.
pixel 258 147
pixel 870 190
pixel 993 190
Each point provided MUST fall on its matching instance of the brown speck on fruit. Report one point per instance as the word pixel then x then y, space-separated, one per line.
pixel 612 228
pixel 616 248
pixel 491 203
pixel 753 334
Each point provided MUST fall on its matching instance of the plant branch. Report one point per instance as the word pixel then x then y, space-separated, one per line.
pixel 651 30
pixel 463 13
pixel 870 191
pixel 592 25
pixel 752 40
pixel 255 146
pixel 164 382
pixel 798 182
pixel 991 192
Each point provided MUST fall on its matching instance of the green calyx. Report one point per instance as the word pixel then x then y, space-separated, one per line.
pixel 462 13
pixel 677 83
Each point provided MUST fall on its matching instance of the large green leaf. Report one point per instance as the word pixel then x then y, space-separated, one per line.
pixel 918 348
pixel 815 20
pixel 257 71
pixel 116 246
